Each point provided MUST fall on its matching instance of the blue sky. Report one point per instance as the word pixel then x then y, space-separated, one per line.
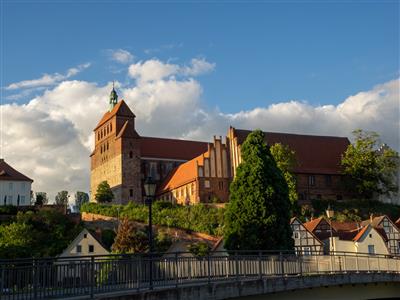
pixel 190 70
pixel 264 52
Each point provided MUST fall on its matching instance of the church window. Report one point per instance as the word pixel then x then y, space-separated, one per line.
pixel 130 154
pixel 311 180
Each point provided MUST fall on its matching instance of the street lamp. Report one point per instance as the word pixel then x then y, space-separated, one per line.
pixel 330 213
pixel 150 191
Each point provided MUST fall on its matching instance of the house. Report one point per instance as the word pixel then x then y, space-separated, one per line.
pixel 389 231
pixel 83 245
pixel 15 187
pixel 305 242
pixel 364 240
pixel 74 263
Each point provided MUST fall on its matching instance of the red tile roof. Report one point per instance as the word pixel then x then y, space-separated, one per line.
pixel 181 175
pixel 9 173
pixel 171 148
pixel 120 109
pixel 314 154
pixel 360 233
pixel 311 225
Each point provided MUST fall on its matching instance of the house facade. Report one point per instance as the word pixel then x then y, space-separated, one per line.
pixel 15 187
pixel 189 172
pixel 305 242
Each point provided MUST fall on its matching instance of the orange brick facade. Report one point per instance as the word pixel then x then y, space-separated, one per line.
pixel 189 172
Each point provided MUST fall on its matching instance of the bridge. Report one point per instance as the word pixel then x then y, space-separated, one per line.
pixel 250 275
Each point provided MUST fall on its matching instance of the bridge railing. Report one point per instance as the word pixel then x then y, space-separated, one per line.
pixel 78 276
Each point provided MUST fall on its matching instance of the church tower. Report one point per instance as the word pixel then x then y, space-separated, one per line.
pixel 116 155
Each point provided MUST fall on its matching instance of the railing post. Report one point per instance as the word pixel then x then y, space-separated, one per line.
pixel 369 268
pixel 379 266
pixel 300 260
pixel 1 279
pixel 35 279
pixel 260 265
pixel 150 271
pixel 92 279
pixel 282 263
pixel 176 270
pixel 237 266
pixel 208 268
pixel 357 263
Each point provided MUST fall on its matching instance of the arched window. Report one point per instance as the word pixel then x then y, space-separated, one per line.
pixel 107 146
pixel 110 127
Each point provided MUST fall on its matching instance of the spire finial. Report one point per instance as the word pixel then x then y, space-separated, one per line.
pixel 113 97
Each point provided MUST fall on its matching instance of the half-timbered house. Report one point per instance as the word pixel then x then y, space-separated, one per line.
pixel 305 242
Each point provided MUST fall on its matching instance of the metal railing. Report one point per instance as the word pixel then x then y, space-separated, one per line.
pixel 65 277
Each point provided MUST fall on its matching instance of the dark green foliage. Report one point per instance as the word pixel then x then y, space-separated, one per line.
pixel 107 237
pixel 104 193
pixel 200 218
pixel 80 198
pixel 41 198
pixel 258 214
pixel 8 210
pixel 62 198
pixel 199 249
pixel 285 159
pixel 162 242
pixel 370 171
pixel 354 210
pixel 36 234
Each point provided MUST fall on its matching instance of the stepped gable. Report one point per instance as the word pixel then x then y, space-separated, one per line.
pixel 120 109
pixel 152 147
pixel 314 154
pixel 9 173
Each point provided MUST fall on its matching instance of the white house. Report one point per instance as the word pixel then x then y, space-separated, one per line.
pixel 15 187
pixel 305 242
pixel 83 245
pixel 366 240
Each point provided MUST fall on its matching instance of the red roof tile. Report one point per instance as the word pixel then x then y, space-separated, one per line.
pixel 120 109
pixel 360 233
pixel 9 173
pixel 314 154
pixel 171 148
pixel 311 225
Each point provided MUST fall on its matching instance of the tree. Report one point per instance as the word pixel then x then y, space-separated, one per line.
pixel 285 159
pixel 104 193
pixel 129 239
pixel 81 198
pixel 257 216
pixel 370 170
pixel 41 198
pixel 62 198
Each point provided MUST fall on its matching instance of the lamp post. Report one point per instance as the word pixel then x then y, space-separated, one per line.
pixel 330 213
pixel 150 191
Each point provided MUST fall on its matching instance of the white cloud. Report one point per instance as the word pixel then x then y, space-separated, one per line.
pixel 121 56
pixel 50 138
pixel 198 66
pixel 47 79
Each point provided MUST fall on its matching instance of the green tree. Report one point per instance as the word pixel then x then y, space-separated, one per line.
pixel 104 193
pixel 370 170
pixel 285 159
pixel 62 198
pixel 81 198
pixel 129 239
pixel 16 240
pixel 258 214
pixel 41 198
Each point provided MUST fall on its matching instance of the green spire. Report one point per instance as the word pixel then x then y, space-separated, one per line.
pixel 113 98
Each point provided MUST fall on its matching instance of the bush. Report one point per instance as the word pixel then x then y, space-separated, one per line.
pixel 198 217
pixel 8 210
pixel 199 249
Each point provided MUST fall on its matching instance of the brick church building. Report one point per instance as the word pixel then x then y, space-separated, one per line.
pixel 189 172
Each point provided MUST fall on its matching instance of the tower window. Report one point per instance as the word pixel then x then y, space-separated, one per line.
pixel 130 154
pixel 107 146
pixel 110 127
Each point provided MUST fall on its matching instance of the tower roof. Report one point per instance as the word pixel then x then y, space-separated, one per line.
pixel 121 110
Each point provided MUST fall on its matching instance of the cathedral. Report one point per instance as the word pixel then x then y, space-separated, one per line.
pixel 190 172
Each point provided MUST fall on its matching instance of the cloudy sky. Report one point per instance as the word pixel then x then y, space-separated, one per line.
pixel 189 71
